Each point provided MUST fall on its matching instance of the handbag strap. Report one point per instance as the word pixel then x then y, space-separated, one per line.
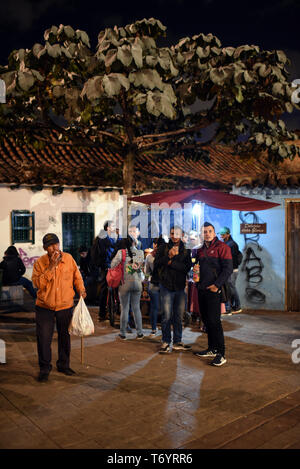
pixel 123 263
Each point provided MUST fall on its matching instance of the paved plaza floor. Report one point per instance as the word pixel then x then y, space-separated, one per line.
pixel 126 395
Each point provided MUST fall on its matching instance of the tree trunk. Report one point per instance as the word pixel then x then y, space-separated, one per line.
pixel 128 174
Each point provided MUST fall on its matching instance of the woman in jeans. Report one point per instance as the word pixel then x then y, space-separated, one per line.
pixel 153 287
pixel 130 290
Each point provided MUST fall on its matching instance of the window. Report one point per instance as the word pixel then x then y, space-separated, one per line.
pixel 78 230
pixel 22 225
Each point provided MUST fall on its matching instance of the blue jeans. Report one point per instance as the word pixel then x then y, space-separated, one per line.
pixel 131 298
pixel 154 304
pixel 28 285
pixel 172 304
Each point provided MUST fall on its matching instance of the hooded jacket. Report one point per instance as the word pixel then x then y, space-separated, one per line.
pixel 13 269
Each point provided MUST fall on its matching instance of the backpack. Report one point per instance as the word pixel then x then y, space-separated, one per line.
pixel 115 275
pixel 239 257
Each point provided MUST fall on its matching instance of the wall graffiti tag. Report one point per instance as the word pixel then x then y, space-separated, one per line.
pixel 252 263
pixel 28 261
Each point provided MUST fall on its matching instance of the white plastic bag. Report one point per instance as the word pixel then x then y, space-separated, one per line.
pixel 81 323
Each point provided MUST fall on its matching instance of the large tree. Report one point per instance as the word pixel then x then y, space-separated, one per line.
pixel 136 97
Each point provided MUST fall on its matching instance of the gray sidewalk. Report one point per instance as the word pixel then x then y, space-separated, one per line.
pixel 126 395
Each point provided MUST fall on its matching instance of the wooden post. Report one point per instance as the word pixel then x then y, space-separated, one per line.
pixel 82 350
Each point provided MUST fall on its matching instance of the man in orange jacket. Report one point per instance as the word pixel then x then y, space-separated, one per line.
pixel 54 275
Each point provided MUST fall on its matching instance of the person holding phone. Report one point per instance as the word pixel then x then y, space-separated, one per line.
pixel 54 275
pixel 173 262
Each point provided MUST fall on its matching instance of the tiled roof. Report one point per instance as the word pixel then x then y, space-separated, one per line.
pixel 68 165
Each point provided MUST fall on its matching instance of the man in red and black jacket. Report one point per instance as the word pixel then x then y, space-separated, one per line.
pixel 215 262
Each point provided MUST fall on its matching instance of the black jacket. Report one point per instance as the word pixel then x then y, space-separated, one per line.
pixel 234 251
pixel 215 264
pixel 13 269
pixel 173 276
pixel 101 252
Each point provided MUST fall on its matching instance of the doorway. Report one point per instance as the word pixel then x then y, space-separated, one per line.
pixel 78 230
pixel 292 254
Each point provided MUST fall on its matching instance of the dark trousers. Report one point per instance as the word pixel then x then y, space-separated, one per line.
pixel 210 309
pixel 45 320
pixel 103 297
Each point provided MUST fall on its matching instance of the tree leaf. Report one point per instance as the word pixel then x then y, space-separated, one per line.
pixel 110 57
pixel 25 80
pixel 112 85
pixel 69 32
pixel 54 51
pixel 278 89
pixel 153 103
pixel 93 88
pixel 137 53
pixel 124 55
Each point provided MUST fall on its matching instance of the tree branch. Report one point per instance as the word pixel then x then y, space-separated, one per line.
pixel 176 132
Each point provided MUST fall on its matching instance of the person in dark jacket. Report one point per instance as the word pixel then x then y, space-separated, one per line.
pixel 233 306
pixel 173 262
pixel 153 288
pixel 101 252
pixel 215 261
pixel 14 269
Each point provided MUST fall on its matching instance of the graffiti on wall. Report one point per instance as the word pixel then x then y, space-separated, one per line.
pixel 28 261
pixel 252 264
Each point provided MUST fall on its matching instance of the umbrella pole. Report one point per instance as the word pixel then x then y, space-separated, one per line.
pixel 82 349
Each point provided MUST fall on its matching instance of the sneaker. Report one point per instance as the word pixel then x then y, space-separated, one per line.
pixel 140 336
pixel 218 360
pixel 123 337
pixel 165 348
pixel 153 334
pixel 227 313
pixel 181 347
pixel 237 311
pixel 205 353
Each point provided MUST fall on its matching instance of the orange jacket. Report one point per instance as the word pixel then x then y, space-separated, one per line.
pixel 55 287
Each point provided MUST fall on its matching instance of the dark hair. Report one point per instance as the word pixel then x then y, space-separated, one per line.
pixel 82 249
pixel 159 241
pixel 206 224
pixel 107 224
pixel 124 243
pixel 11 251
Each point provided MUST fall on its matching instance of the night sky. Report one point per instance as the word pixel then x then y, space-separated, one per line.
pixel 269 24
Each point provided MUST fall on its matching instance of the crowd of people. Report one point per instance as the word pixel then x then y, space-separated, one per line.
pixel 187 273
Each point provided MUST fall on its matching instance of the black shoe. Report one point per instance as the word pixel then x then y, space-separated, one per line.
pixel 66 371
pixel 206 354
pixel 43 377
pixel 121 336
pixel 219 360
pixel 140 336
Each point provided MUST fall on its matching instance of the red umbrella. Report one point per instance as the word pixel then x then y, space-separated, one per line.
pixel 210 197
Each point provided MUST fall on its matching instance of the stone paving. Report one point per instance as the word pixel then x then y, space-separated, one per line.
pixel 126 395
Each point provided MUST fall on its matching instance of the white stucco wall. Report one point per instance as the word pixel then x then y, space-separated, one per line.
pixel 272 254
pixel 48 214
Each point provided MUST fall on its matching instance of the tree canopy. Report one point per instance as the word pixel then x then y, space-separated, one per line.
pixel 134 96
